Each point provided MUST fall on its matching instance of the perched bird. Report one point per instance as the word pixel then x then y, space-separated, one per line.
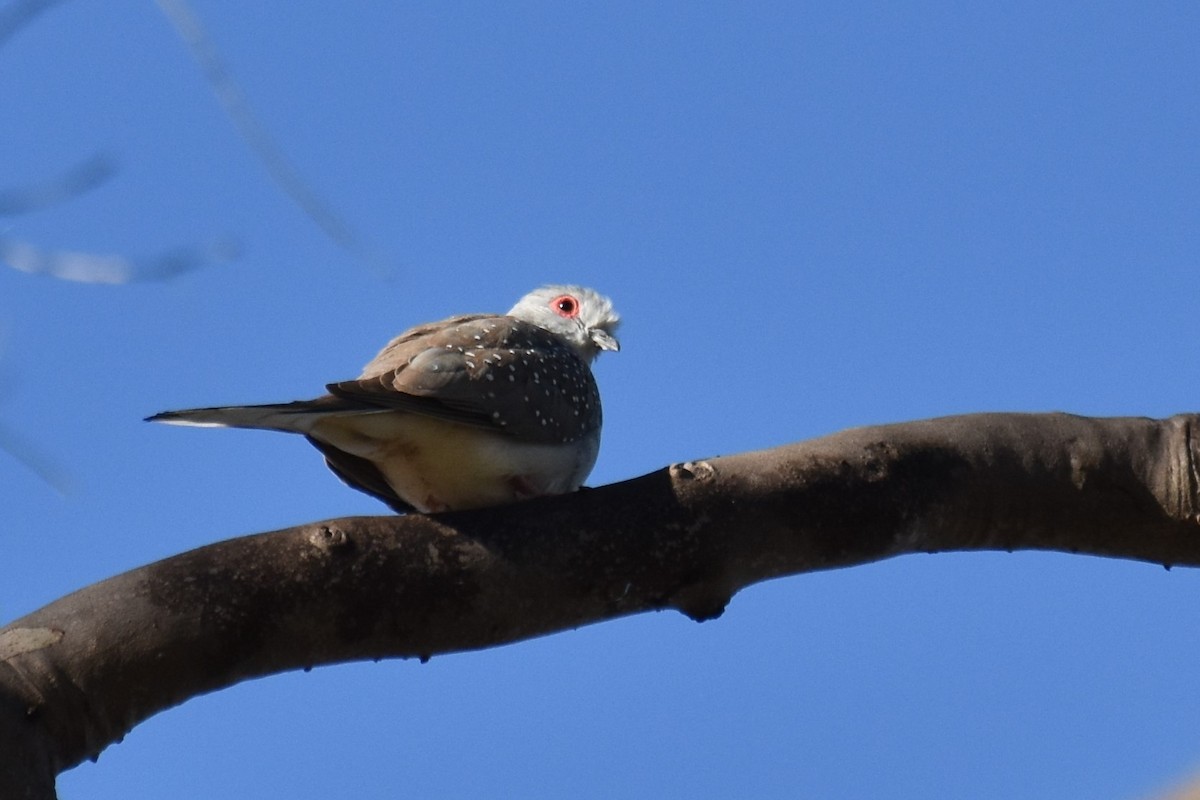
pixel 472 411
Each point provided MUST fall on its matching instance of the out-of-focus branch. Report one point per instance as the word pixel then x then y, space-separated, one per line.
pixel 16 15
pixel 83 267
pixel 79 673
pixel 263 145
pixel 33 460
pixel 81 178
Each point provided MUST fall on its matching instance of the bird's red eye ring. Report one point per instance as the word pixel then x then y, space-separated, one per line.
pixel 565 306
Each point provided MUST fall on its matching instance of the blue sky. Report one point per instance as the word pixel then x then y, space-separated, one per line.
pixel 812 217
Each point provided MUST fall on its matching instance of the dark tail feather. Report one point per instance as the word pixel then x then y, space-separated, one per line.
pixel 295 417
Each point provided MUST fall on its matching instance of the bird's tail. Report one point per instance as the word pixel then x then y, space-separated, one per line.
pixel 298 417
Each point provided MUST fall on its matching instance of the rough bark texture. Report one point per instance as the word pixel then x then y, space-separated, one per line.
pixel 79 673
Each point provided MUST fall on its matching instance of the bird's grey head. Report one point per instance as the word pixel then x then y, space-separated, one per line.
pixel 583 317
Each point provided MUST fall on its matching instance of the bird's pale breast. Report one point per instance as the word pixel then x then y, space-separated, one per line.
pixel 435 464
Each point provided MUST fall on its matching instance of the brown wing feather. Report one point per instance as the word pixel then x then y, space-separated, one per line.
pixel 493 372
pixel 402 349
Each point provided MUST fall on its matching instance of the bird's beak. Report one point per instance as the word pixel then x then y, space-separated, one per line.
pixel 604 340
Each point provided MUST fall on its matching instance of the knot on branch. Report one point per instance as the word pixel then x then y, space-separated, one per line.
pixel 329 538
pixel 693 471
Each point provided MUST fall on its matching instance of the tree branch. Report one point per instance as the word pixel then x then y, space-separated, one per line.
pixel 79 673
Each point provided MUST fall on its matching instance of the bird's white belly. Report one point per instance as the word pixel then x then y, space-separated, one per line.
pixel 436 465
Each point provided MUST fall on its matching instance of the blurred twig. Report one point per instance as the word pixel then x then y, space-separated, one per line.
pixel 230 95
pixel 25 453
pixel 82 177
pixel 28 456
pixel 81 267
pixel 18 14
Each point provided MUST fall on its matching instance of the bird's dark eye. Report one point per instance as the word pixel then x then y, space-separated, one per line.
pixel 565 306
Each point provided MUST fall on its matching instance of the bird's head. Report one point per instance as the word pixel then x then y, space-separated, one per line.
pixel 585 318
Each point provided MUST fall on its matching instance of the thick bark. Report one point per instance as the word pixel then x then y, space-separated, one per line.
pixel 79 673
